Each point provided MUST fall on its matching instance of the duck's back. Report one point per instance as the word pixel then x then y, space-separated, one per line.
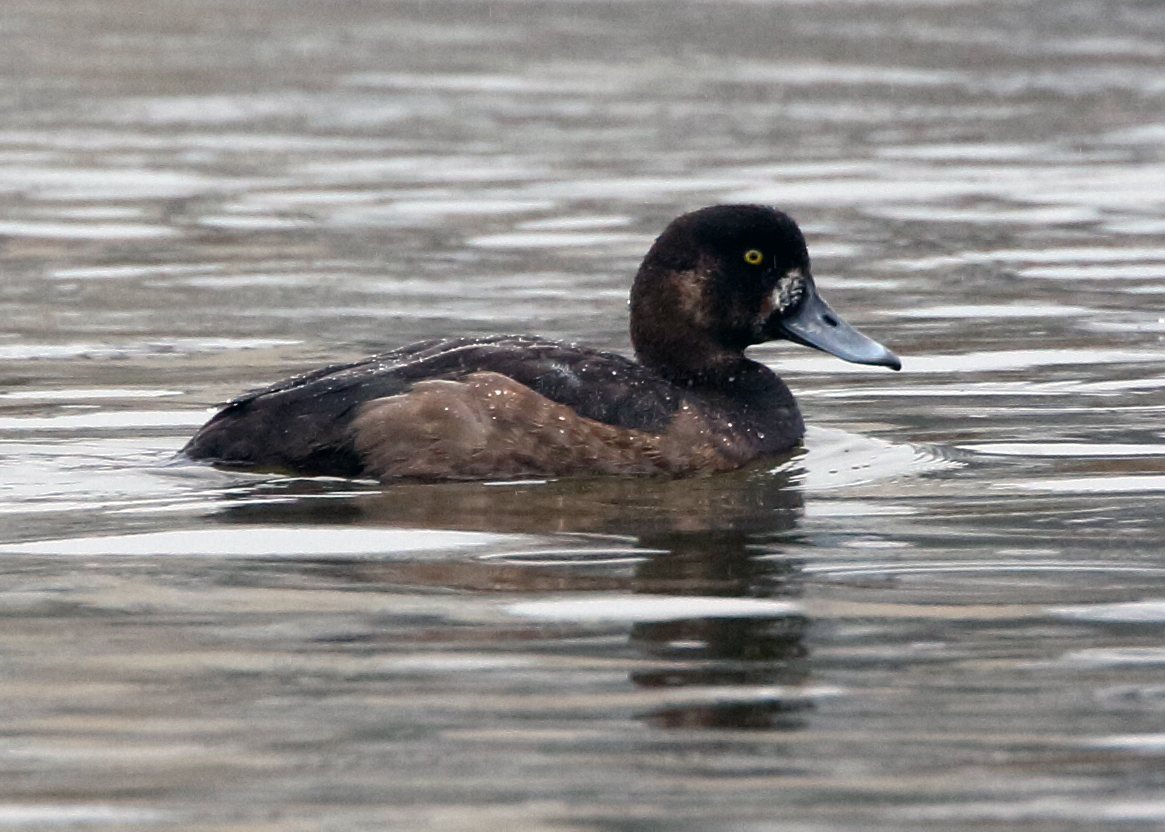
pixel 424 404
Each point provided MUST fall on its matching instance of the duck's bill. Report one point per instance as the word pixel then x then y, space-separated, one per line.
pixel 816 325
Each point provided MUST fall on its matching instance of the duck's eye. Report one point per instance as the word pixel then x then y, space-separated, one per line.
pixel 753 257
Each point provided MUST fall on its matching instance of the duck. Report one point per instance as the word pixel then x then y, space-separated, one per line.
pixel 716 281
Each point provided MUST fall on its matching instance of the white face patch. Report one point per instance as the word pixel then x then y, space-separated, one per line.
pixel 789 292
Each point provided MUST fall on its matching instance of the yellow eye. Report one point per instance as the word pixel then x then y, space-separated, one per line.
pixel 753 257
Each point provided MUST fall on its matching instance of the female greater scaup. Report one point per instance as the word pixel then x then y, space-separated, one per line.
pixel 715 282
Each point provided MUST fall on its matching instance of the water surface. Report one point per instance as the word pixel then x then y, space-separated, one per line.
pixel 945 612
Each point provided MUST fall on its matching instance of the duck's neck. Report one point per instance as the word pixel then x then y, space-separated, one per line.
pixel 694 360
pixel 676 345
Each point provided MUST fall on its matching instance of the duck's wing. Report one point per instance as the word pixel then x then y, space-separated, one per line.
pixel 595 384
pixel 352 370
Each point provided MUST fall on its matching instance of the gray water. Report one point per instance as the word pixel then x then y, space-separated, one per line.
pixel 947 612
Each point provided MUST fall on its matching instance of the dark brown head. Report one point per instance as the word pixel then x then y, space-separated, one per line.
pixel 723 278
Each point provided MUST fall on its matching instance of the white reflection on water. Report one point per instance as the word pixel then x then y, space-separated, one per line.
pixel 412 81
pixel 993 215
pixel 106 420
pixel 870 567
pixel 160 346
pixel 107 183
pixel 459 169
pixel 241 222
pixel 456 663
pixel 1067 809
pixel 431 209
pixel 1096 485
pixel 577 223
pixel 975 311
pixel 1116 656
pixel 979 152
pixel 83 394
pixel 1097 272
pixel 130 272
pixel 1065 449
pixel 269 541
pixel 559 239
pixel 70 814
pixel 1051 254
pixel 857 508
pixel 986 361
pixel 633 608
pixel 85 230
pixel 813 74
pixel 1148 612
pixel 960 388
pixel 1148 743
pixel 97 139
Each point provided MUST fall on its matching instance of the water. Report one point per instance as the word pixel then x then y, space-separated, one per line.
pixel 947 612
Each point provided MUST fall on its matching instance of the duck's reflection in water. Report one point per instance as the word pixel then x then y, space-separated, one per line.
pixel 699 539
pixel 742 665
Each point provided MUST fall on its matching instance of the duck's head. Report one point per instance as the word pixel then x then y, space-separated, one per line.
pixel 723 278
